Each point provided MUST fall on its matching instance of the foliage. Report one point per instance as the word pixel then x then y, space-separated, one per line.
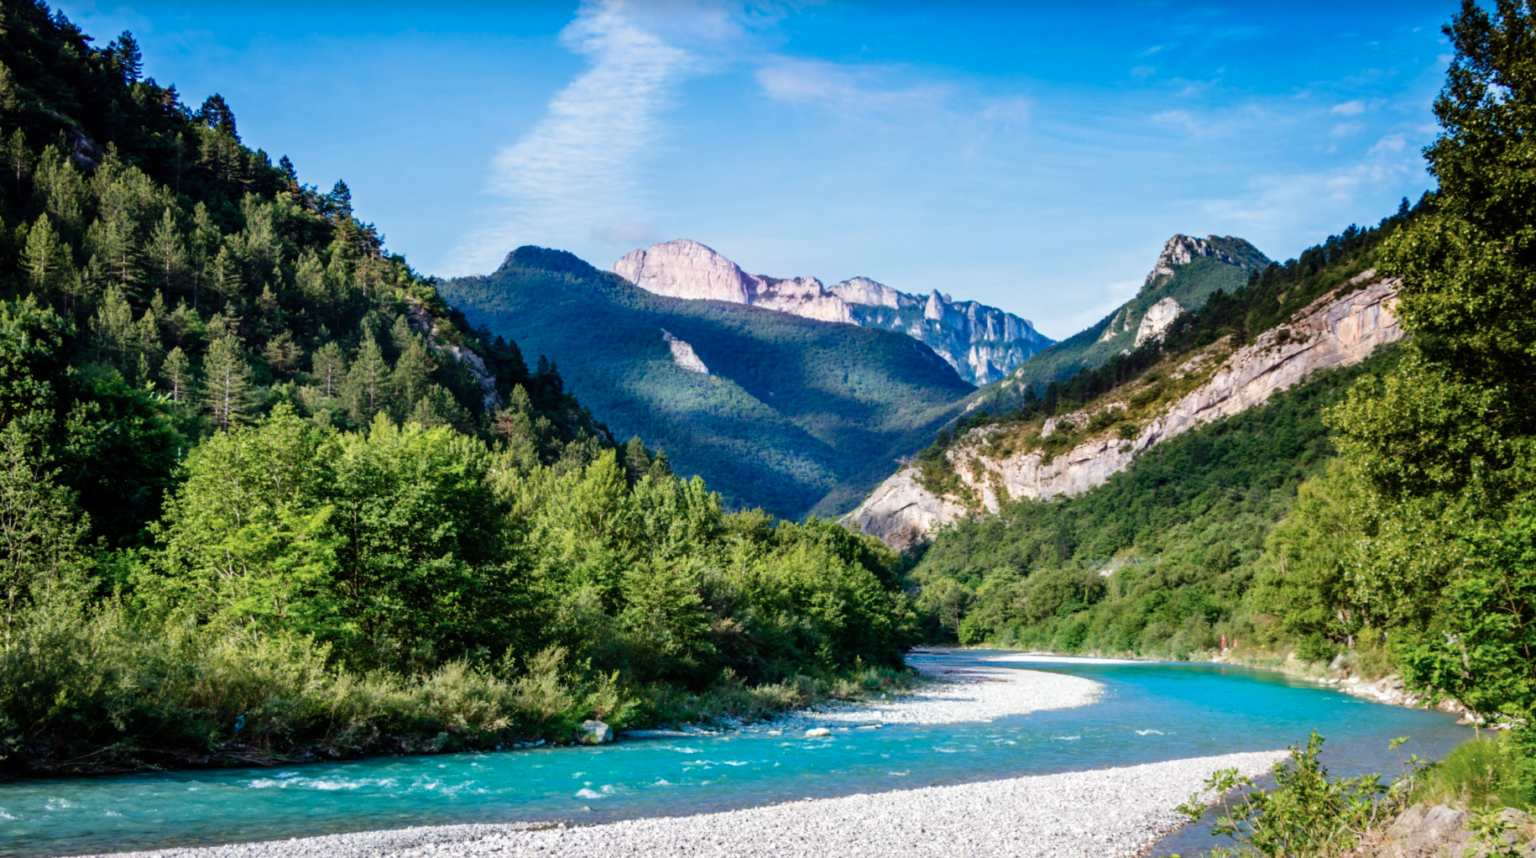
pixel 262 493
pixel 164 281
pixel 1160 560
pixel 1306 814
pixel 1152 372
pixel 1480 773
pixel 1445 443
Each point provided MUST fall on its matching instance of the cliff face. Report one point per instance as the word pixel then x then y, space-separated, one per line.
pixel 982 343
pixel 1334 331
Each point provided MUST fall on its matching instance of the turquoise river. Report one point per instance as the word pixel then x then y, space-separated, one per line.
pixel 1148 712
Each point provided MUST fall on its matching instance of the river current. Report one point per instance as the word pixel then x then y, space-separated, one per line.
pixel 1148 712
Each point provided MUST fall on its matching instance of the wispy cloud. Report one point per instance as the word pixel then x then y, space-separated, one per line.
pixel 575 172
pixel 842 87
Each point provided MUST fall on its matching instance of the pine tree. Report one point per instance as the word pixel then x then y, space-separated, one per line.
pixel 226 383
pixel 18 159
pixel 45 257
pixel 288 170
pixel 368 383
pixel 413 374
pixel 8 91
pixel 437 407
pixel 215 114
pixel 329 367
pixel 282 354
pixel 168 251
pixel 224 274
pixel 341 199
pixel 177 372
pixel 637 460
pixel 125 51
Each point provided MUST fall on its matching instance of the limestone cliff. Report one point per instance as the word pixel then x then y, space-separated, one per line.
pixel 1337 330
pixel 1159 316
pixel 982 343
pixel 683 354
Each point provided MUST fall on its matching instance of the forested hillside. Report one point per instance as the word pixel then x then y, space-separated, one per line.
pixel 1162 559
pixel 263 493
pixel 1155 562
pixel 793 415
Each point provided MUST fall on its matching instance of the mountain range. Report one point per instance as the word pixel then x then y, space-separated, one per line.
pixel 982 343
pixel 788 394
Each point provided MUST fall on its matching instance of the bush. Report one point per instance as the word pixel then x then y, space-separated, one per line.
pixel 1480 774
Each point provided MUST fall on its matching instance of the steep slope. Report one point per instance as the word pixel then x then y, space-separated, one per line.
pixel 772 409
pixel 1322 310
pixel 1069 454
pixel 982 343
pixel 1187 272
pixel 169 281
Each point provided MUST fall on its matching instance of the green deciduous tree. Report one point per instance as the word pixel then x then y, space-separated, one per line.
pixel 43 535
pixel 1446 443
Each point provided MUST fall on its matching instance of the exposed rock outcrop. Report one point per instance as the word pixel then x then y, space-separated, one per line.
pixel 423 323
pixel 683 354
pixel 1159 316
pixel 982 343
pixel 1182 250
pixel 1442 831
pixel 1336 330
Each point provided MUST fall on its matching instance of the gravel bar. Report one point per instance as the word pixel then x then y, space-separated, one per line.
pixel 960 693
pixel 1093 814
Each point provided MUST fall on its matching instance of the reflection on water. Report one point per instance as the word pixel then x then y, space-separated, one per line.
pixel 1148 713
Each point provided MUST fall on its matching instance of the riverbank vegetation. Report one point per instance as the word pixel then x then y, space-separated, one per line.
pixel 263 494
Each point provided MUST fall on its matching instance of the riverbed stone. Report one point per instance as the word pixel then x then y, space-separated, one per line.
pixel 595 733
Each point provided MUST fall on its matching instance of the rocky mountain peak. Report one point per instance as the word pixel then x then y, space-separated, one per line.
pixel 1184 249
pixel 687 269
pixel 982 343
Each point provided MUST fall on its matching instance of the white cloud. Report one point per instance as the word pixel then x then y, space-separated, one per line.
pixel 577 167
pixel 841 87
pixel 1143 71
pixel 1350 108
pixel 1388 144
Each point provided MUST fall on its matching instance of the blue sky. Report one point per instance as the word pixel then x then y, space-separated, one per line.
pixel 1030 156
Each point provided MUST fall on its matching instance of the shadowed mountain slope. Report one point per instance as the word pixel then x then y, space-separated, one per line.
pixel 774 410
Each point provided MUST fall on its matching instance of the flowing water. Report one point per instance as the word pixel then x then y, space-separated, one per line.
pixel 1149 712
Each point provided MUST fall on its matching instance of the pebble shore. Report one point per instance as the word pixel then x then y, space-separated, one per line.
pixel 960 693
pixel 1094 814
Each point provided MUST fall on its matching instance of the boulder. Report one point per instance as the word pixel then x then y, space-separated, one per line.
pixel 817 732
pixel 595 733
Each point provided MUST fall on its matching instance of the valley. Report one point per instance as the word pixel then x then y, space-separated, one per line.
pixel 596 543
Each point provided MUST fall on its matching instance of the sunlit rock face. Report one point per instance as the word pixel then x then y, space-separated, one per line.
pixel 982 343
pixel 1334 331
pixel 683 354
pixel 1159 316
